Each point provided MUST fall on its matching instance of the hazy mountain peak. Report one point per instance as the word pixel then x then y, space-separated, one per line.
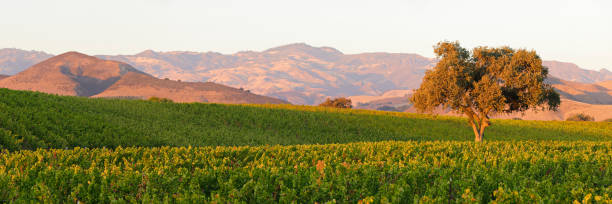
pixel 73 54
pixel 147 53
pixel 5 51
pixel 305 50
pixel 331 50
pixel 11 50
pixel 291 46
pixel 303 47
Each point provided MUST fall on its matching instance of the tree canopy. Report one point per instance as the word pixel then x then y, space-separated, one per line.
pixel 483 82
pixel 340 102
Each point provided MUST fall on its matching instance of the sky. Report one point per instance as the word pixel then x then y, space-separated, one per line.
pixel 578 31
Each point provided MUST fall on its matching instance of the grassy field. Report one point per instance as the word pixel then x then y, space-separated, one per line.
pixel 69 149
pixel 31 120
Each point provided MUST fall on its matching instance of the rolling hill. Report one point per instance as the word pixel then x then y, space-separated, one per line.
pixel 571 72
pixel 596 93
pixel 71 73
pixel 30 120
pixel 144 86
pixel 606 84
pixel 76 74
pixel 303 74
pixel 65 148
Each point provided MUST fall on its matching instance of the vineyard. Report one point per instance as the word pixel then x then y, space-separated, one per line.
pixel 381 172
pixel 58 149
pixel 31 120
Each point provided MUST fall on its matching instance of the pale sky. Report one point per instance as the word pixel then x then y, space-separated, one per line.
pixel 578 31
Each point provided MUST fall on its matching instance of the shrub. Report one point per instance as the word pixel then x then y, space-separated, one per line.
pixel 340 102
pixel 580 117
pixel 608 120
pixel 161 100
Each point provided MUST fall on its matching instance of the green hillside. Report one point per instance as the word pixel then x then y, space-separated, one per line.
pixel 31 120
pixel 527 164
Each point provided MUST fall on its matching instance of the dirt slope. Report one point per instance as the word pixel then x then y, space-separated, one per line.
pixel 71 73
pixel 144 86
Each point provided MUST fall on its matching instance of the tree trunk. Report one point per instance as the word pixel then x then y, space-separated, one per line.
pixel 483 125
pixel 478 123
pixel 479 130
pixel 477 137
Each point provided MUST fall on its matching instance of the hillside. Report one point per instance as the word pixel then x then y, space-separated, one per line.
pixel 596 93
pixel 76 74
pixel 145 86
pixel 43 120
pixel 571 72
pixel 567 109
pixel 303 74
pixel 606 84
pixel 110 150
pixel 71 73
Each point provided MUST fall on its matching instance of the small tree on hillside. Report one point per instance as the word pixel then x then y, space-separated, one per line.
pixel 484 82
pixel 161 100
pixel 340 102
pixel 580 117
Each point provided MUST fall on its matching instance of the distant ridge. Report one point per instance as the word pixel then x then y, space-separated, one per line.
pixel 77 74
pixel 13 61
pixel 303 74
pixel 299 73
pixel 571 72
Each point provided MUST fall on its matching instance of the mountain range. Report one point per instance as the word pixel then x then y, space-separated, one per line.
pixel 77 74
pixel 13 61
pixel 298 73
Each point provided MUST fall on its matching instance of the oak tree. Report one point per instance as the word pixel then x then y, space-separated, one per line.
pixel 484 82
pixel 340 102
